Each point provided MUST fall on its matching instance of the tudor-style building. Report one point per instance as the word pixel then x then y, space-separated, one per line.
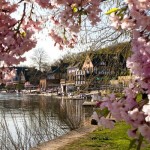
pixel 97 70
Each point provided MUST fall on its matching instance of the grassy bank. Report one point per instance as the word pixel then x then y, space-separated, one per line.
pixel 104 139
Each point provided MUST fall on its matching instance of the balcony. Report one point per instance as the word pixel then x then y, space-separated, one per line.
pixel 70 82
pixel 62 81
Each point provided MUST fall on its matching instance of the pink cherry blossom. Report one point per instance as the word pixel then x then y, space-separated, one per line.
pixel 132 133
pixel 145 131
pixel 106 123
pixel 67 18
pixel 146 110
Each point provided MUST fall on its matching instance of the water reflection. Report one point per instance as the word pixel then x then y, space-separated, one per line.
pixel 71 112
pixel 27 120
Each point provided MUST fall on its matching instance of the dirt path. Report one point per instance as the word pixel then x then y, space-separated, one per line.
pixel 65 139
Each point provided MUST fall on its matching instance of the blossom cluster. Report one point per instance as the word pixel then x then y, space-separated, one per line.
pixel 69 17
pixel 9 75
pixel 134 107
pixel 13 42
pixel 66 15
pixel 16 37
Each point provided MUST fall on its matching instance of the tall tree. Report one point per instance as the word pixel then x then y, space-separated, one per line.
pixel 39 58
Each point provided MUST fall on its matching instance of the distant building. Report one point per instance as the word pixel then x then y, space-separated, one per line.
pixel 94 72
pixel 14 75
pixel 53 78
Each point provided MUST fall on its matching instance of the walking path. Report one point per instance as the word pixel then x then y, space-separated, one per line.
pixel 65 139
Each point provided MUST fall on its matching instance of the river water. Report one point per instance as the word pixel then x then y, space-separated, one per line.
pixel 28 120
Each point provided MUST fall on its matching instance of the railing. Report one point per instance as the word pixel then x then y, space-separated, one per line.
pixel 70 82
pixel 62 81
pixel 109 87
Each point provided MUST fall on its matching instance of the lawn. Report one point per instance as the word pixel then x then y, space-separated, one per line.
pixel 105 139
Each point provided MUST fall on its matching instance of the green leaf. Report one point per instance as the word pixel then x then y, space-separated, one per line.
pixel 138 97
pixel 132 143
pixel 104 112
pixel 112 10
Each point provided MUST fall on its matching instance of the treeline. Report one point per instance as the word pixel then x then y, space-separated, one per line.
pixel 123 49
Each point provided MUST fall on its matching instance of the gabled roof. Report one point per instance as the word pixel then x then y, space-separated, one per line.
pixel 20 71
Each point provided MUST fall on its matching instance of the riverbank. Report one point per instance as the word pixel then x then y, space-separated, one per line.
pixel 66 139
pixel 106 139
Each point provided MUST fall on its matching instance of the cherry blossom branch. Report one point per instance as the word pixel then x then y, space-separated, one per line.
pixel 22 18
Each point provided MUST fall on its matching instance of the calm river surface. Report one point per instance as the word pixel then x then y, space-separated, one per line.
pixel 27 120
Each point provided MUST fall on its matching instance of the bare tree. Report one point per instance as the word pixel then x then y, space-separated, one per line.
pixel 39 58
pixel 46 67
